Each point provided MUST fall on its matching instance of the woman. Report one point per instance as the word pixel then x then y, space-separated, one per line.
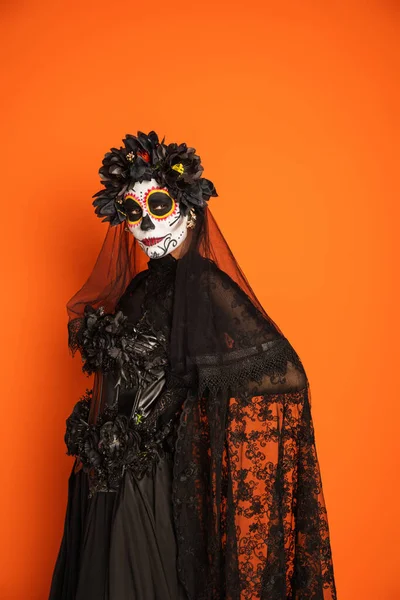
pixel 196 475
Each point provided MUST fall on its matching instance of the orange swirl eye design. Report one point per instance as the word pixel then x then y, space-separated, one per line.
pixel 133 209
pixel 160 204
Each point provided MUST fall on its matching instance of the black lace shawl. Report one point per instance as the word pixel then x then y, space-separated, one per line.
pixel 249 508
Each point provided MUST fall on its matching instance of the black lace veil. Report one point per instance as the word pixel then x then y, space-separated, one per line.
pixel 248 503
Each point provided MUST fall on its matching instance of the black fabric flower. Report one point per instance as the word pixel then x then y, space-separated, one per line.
pixel 109 342
pixel 103 341
pixel 117 437
pixel 114 444
pixel 143 157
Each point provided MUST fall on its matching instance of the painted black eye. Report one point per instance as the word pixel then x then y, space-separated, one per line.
pixel 133 209
pixel 159 203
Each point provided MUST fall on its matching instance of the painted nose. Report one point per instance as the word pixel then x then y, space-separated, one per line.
pixel 147 224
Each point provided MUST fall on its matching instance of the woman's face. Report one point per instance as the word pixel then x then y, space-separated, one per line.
pixel 154 218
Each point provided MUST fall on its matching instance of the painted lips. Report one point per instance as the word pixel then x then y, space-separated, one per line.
pixel 151 241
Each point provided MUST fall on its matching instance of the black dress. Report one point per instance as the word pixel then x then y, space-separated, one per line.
pixel 119 539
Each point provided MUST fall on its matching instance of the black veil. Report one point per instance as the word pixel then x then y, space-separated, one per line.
pixel 217 318
pixel 249 509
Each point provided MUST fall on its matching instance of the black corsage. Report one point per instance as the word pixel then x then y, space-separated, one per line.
pixel 114 444
pixel 109 342
pixel 143 157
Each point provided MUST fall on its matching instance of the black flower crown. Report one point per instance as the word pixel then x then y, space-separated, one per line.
pixel 143 157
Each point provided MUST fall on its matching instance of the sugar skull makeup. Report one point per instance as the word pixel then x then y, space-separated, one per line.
pixel 154 218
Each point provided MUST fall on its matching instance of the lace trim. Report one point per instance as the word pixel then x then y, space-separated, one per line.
pixel 74 333
pixel 237 368
pixel 181 475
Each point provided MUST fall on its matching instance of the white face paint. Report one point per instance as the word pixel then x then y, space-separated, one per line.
pixel 154 218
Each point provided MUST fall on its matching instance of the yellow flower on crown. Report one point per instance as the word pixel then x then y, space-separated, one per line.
pixel 178 167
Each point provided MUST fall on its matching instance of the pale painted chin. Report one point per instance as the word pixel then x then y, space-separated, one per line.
pixel 155 251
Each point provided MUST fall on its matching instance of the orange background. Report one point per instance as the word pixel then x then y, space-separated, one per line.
pixel 293 108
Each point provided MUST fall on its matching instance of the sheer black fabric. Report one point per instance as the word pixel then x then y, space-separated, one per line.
pixel 246 493
pixel 119 545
